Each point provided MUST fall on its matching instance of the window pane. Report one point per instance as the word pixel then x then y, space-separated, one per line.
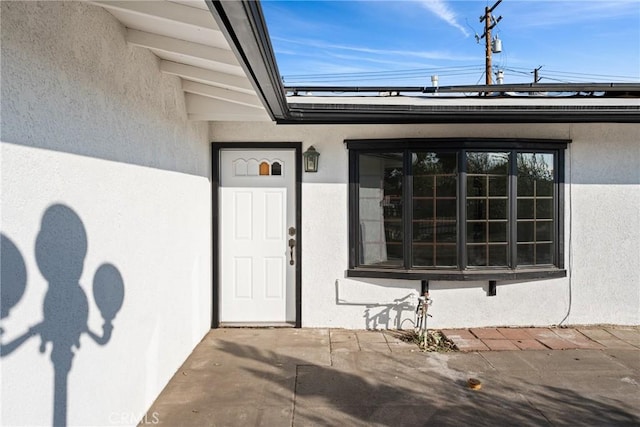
pixel 446 255
pixel 525 208
pixel 394 253
pixel 544 231
pixel 422 208
pixel 423 186
pixel 487 201
pixel 536 204
pixel 476 186
pixel 392 207
pixel 525 254
pixel 498 255
pixel 264 168
pixel 488 163
pixel 423 256
pixel 476 209
pixel 393 231
pixel 423 231
pixel 380 205
pixel 476 255
pixel 498 232
pixel 543 254
pixel 434 163
pixel 446 186
pixel 476 232
pixel 498 209
pixel 446 232
pixel 446 209
pixel 498 186
pixel 525 231
pixel 544 188
pixel 525 186
pixel 544 208
pixel 531 254
pixel 535 167
pixel 435 189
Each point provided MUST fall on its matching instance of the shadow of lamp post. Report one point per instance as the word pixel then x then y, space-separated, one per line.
pixel 61 247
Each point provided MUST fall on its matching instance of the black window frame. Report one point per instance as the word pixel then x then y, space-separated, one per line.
pixel 461 146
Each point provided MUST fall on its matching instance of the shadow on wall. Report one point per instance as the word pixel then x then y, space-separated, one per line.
pixel 61 247
pixel 384 316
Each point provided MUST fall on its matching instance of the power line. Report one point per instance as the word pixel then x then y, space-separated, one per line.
pixel 590 75
pixel 413 74
pixel 572 73
pixel 387 72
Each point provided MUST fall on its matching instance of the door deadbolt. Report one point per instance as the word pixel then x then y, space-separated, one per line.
pixel 292 231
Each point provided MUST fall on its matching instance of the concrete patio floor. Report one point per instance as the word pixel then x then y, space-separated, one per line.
pixel 322 377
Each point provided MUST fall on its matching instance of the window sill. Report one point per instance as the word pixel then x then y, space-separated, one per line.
pixel 457 275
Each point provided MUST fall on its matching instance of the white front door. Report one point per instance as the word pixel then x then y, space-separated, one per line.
pixel 257 229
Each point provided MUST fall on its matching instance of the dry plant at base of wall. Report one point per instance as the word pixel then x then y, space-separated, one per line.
pixel 432 341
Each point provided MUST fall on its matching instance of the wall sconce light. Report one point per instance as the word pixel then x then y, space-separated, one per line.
pixel 310 159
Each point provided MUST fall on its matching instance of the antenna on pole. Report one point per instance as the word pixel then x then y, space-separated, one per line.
pixel 490 44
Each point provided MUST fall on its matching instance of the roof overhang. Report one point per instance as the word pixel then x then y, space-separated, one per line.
pixel 244 25
pixel 184 35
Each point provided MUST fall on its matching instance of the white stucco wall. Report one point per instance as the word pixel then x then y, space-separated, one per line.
pixel 602 234
pixel 91 127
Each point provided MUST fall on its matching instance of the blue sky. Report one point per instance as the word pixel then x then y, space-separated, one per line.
pixel 404 42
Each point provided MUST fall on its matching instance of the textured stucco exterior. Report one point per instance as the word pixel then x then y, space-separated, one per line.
pixel 102 172
pixel 97 152
pixel 602 234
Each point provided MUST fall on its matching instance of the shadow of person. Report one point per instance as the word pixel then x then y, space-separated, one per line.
pixel 61 248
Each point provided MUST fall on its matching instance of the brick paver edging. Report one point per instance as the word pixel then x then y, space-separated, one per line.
pixel 493 339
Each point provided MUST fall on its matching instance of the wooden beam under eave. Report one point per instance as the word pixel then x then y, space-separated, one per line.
pixel 227 95
pixel 208 77
pixel 199 51
pixel 164 10
pixel 203 106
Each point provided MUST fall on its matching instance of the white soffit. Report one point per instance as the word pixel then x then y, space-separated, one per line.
pixel 185 36
pixel 208 108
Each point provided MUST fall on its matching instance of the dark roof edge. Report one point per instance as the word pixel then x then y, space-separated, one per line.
pixel 311 115
pixel 242 23
pixel 632 88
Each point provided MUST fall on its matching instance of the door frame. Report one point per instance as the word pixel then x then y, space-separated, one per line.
pixel 215 217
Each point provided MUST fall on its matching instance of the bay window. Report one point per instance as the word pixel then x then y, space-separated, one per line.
pixel 426 208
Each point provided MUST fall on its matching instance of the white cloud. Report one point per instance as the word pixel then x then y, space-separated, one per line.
pixel 442 10
pixel 433 55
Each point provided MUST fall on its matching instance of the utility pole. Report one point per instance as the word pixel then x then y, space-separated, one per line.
pixel 536 77
pixel 489 23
